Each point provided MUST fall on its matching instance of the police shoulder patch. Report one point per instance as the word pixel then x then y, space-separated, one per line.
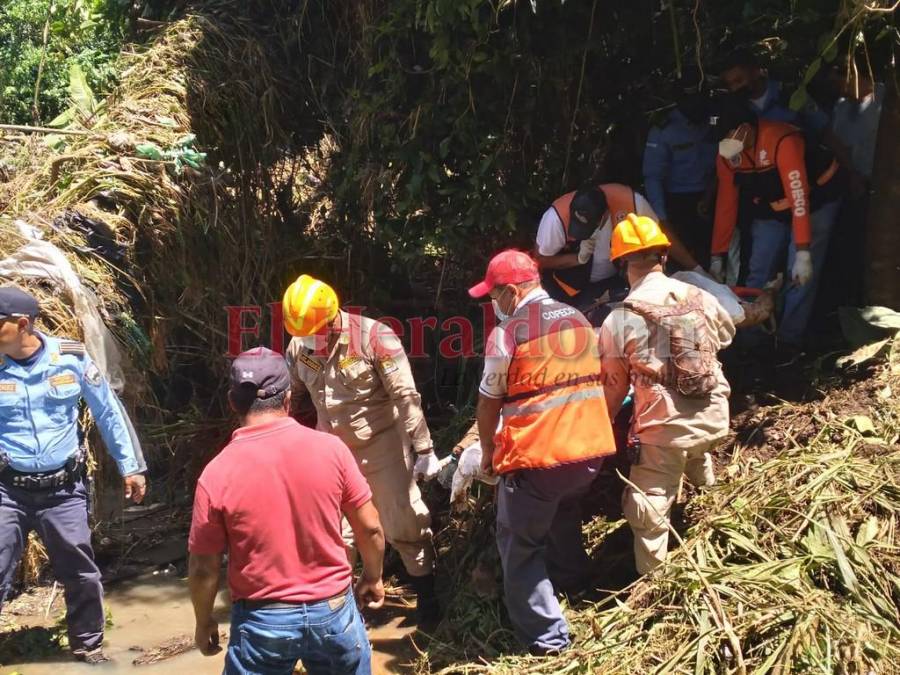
pixel 71 347
pixel 92 375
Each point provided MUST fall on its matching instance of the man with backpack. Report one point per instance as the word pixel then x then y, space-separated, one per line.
pixel 663 341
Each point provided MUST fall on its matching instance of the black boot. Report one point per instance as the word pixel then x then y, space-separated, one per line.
pixel 428 611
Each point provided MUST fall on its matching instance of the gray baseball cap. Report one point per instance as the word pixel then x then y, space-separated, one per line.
pixel 260 369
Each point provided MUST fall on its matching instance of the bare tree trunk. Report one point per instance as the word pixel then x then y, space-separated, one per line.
pixel 882 278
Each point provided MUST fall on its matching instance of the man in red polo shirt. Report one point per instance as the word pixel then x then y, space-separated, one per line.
pixel 272 499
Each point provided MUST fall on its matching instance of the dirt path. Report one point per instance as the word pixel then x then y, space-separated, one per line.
pixel 152 616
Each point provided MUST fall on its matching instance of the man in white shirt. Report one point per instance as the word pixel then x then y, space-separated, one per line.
pixel 572 244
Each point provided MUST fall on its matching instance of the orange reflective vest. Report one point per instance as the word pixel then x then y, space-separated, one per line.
pixel 554 411
pixel 781 178
pixel 620 202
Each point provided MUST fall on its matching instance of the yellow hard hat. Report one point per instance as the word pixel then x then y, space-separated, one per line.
pixel 634 234
pixel 308 305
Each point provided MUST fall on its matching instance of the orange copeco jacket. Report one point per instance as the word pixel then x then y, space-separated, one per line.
pixel 771 181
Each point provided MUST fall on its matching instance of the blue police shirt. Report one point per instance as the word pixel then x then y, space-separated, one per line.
pixel 39 407
pixel 679 157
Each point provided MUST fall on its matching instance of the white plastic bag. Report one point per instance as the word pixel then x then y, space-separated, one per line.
pixel 39 259
pixel 721 292
pixel 468 468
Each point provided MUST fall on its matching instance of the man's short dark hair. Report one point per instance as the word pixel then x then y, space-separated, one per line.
pixel 739 58
pixel 246 402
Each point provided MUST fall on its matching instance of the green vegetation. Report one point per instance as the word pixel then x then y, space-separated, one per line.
pixel 390 147
pixel 458 121
pixel 40 43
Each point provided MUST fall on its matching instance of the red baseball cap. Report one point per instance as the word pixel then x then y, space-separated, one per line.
pixel 507 267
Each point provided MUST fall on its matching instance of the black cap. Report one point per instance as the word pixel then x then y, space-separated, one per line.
pixel 260 370
pixel 16 302
pixel 588 206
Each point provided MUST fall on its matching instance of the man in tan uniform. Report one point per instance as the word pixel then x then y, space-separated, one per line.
pixel 357 375
pixel 663 342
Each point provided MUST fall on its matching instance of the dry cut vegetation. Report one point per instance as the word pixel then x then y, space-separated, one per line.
pixel 792 563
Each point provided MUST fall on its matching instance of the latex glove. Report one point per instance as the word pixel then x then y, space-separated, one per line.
pixel 803 269
pixel 586 250
pixel 717 268
pixel 427 466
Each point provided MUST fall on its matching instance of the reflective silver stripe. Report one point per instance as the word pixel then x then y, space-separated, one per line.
pixel 511 410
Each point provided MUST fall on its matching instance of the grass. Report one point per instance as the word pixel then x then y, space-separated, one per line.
pixel 792 563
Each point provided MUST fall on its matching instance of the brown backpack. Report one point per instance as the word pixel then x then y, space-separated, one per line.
pixel 689 368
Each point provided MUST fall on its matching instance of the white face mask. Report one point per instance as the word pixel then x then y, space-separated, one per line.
pixel 731 148
pixel 499 313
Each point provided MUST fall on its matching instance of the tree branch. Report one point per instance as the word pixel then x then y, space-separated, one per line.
pixel 587 46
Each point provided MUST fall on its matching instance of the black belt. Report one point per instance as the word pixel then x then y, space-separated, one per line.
pixel 70 472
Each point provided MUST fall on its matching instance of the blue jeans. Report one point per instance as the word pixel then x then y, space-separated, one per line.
pixel 329 637
pixel 539 537
pixel 60 518
pixel 770 240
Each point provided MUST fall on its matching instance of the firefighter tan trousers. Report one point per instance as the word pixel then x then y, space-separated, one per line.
pixel 387 463
pixel 658 475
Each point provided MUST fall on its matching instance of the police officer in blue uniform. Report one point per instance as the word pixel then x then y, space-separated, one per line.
pixel 680 165
pixel 42 482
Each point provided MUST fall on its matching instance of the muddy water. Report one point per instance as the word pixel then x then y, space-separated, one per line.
pixel 153 610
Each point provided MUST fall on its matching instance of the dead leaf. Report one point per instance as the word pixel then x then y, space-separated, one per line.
pixel 863 424
pixel 863 354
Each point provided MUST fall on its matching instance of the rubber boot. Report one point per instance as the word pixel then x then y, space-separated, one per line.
pixel 428 611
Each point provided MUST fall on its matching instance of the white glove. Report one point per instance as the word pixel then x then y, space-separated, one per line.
pixel 427 466
pixel 717 268
pixel 803 269
pixel 586 250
